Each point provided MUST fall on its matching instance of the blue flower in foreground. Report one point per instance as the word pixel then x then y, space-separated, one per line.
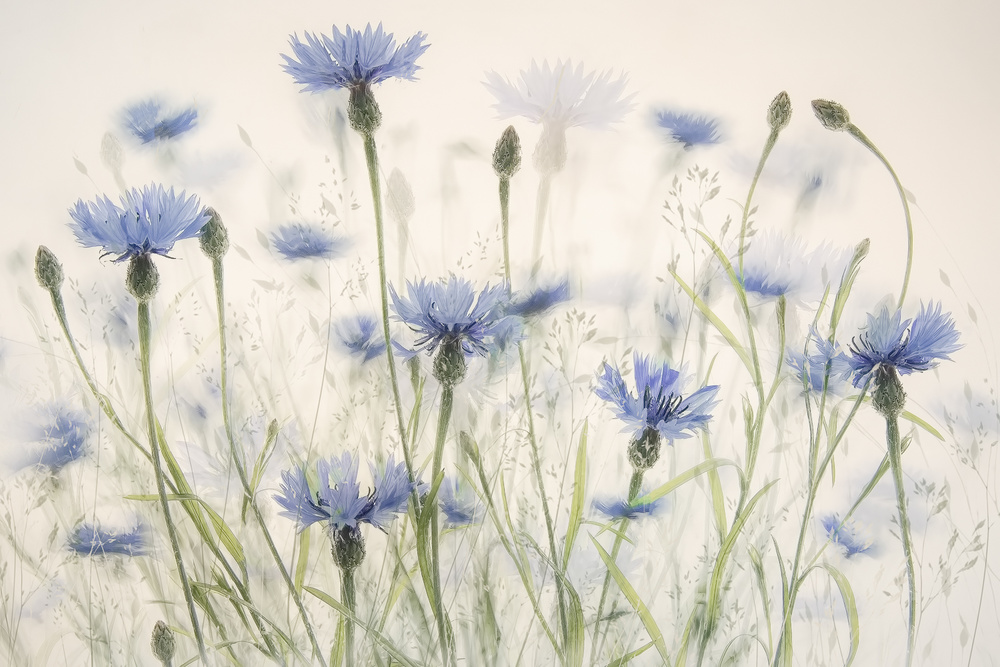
pixel 538 300
pixel 815 365
pixel 149 221
pixel 336 498
pixel 359 336
pixel 459 503
pixel 688 129
pixel 91 540
pixel 904 345
pixel 353 59
pixel 619 508
pixel 448 312
pixel 148 122
pixel 63 437
pixel 299 241
pixel 846 536
pixel 659 405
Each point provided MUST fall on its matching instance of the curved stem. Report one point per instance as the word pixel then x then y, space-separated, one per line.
pixel 447 649
pixel 896 463
pixel 147 387
pixel 772 139
pixel 349 598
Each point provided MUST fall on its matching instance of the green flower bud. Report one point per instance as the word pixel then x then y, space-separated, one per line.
pixel 507 154
pixel 889 397
pixel 214 238
pixel 48 270
pixel 142 279
pixel 363 111
pixel 163 642
pixel 644 451
pixel 449 363
pixel 833 116
pixel 348 548
pixel 780 111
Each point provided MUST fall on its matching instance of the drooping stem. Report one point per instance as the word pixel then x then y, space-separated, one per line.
pixel 349 598
pixel 248 499
pixel 147 387
pixel 437 467
pixel 896 464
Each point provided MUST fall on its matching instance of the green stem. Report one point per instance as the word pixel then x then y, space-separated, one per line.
pixel 437 468
pixel 248 498
pixel 856 132
pixel 147 387
pixel 896 463
pixel 772 139
pixel 349 598
pixel 505 224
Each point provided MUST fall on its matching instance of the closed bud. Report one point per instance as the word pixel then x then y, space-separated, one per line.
pixel 348 548
pixel 780 111
pixel 214 237
pixel 449 363
pixel 644 451
pixel 142 279
pixel 833 116
pixel 507 154
pixel 163 642
pixel 48 270
pixel 363 111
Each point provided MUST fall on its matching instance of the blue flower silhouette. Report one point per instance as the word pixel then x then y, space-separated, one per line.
pixel 92 540
pixel 300 241
pixel 846 536
pixel 148 122
pixel 688 129
pixel 360 336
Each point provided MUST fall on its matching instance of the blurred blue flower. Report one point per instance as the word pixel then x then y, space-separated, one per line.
pixel 619 508
pixel 148 221
pixel 352 60
pixel 337 498
pixel 300 241
pixel 659 404
pixel 689 129
pixel 815 365
pixel 537 301
pixel 359 336
pixel 847 536
pixel 91 540
pixel 148 122
pixel 906 345
pixel 459 503
pixel 62 435
pixel 777 265
pixel 449 311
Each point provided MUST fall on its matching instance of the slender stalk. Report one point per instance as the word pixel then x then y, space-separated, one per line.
pixel 349 598
pixel 772 139
pixel 896 463
pixel 147 387
pixel 217 270
pixel 505 224
pixel 541 206
pixel 447 649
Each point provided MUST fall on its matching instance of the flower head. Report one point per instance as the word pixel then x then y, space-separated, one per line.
pixel 776 265
pixel 459 503
pixel 149 221
pixel 846 535
pixel 92 540
pixel 658 404
pixel 904 345
pixel 300 241
pixel 353 59
pixel 689 130
pixel 60 434
pixel 814 366
pixel 148 122
pixel 619 508
pixel 359 336
pixel 537 301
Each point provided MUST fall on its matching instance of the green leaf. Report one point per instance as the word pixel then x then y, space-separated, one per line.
pixel 302 561
pixel 222 529
pixel 682 479
pixel 847 594
pixel 579 489
pixel 716 322
pixel 715 484
pixel 261 463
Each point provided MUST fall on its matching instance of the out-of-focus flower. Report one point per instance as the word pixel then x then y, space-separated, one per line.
pixel 60 436
pixel 688 129
pixel 360 336
pixel 148 122
pixel 815 365
pixel 459 503
pixel 149 221
pixel 535 302
pixel 619 508
pixel 776 265
pixel 92 540
pixel 846 536
pixel 300 241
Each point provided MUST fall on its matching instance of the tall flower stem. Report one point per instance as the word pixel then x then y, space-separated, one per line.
pixel 348 595
pixel 437 467
pixel 217 270
pixel 541 209
pixel 147 387
pixel 892 442
pixel 536 462
pixel 635 483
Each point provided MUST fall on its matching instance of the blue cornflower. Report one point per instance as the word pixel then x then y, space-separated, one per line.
pixel 887 341
pixel 846 536
pixel 359 336
pixel 92 540
pixel 777 265
pixel 459 503
pixel 149 221
pixel 539 300
pixel 449 313
pixel 148 122
pixel 619 508
pixel 62 434
pixel 814 365
pixel 300 241
pixel 352 60
pixel 689 129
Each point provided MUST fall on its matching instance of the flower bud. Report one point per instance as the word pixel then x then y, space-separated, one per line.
pixel 163 642
pixel 142 279
pixel 507 154
pixel 449 363
pixel 889 397
pixel 644 451
pixel 348 548
pixel 214 238
pixel 363 111
pixel 780 111
pixel 48 270
pixel 833 116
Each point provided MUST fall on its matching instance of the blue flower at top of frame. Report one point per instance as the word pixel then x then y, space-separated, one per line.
pixel 659 403
pixel 619 508
pixel 148 122
pixel 353 59
pixel 539 300
pixel 449 311
pixel 359 335
pixel 688 129
pixel 906 345
pixel 300 241
pixel 815 365
pixel 92 540
pixel 459 503
pixel 62 434
pixel 846 536
pixel 149 221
